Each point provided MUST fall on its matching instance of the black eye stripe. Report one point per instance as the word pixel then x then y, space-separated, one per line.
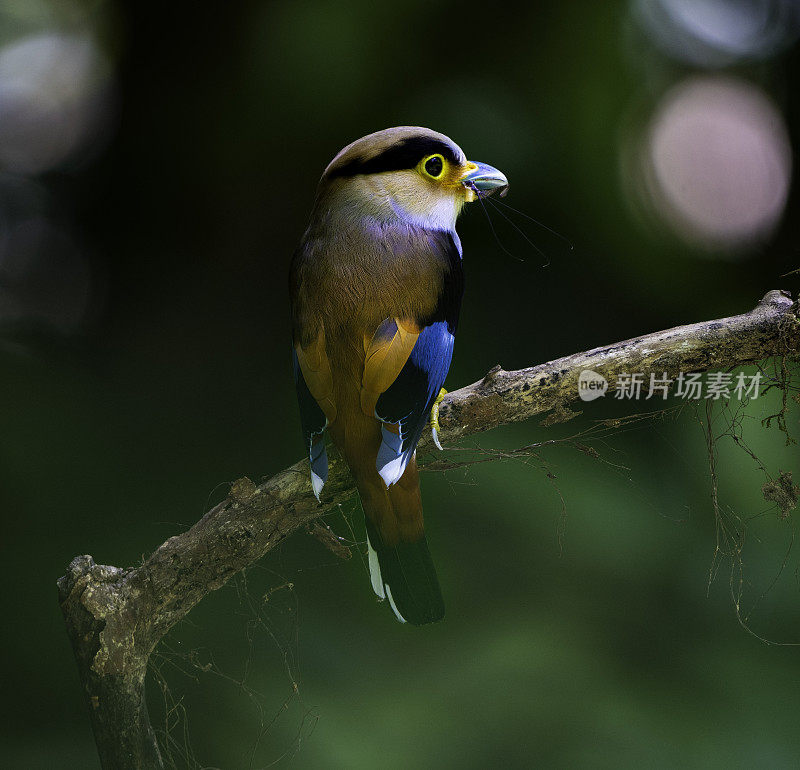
pixel 403 155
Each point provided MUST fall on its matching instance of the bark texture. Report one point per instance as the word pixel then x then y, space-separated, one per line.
pixel 115 617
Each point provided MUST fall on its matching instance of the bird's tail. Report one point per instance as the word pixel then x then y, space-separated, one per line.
pixel 400 564
pixel 404 574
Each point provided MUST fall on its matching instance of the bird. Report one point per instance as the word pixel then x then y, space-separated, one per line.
pixel 375 286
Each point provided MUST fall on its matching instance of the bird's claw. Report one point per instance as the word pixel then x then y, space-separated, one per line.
pixel 435 427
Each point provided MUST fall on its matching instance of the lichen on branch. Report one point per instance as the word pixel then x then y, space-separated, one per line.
pixel 115 617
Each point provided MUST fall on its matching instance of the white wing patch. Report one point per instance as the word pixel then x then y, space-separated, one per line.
pixel 316 484
pixel 391 461
pixel 318 460
pixel 393 471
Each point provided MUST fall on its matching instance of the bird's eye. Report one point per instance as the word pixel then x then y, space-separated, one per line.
pixel 434 166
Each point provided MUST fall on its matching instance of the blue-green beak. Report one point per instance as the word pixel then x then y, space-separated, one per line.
pixel 485 179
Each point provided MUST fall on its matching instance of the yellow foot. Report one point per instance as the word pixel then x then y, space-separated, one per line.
pixel 435 428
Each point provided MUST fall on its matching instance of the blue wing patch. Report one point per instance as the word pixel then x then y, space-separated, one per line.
pixel 404 407
pixel 313 422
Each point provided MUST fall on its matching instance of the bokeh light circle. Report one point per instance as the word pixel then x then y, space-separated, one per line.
pixel 715 162
pixel 53 98
pixel 716 33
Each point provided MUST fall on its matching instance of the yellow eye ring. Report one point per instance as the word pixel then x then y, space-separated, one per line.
pixel 433 166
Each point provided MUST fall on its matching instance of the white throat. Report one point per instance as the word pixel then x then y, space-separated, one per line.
pixel 403 196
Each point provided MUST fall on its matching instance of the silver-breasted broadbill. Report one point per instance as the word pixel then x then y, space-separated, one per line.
pixel 376 288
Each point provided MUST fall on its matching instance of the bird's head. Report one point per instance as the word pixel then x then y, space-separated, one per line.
pixel 408 173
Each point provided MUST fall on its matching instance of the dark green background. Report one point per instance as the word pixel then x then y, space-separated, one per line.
pixel 611 653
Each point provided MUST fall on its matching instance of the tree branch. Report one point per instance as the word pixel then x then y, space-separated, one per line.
pixel 115 617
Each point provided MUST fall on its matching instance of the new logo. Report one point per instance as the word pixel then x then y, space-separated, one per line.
pixel 591 385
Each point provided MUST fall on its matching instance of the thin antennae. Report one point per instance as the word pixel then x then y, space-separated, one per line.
pixel 537 222
pixel 491 225
pixel 522 233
